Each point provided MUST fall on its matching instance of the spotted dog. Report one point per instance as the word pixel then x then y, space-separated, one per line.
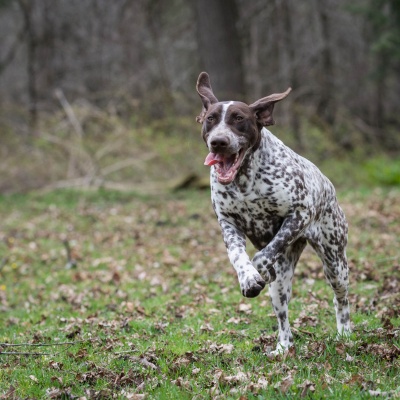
pixel 262 190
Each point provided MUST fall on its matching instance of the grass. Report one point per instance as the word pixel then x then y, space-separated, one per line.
pixel 144 304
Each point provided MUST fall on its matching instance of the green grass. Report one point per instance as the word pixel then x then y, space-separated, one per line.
pixel 150 306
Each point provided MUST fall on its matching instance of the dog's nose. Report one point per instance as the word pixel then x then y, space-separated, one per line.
pixel 219 143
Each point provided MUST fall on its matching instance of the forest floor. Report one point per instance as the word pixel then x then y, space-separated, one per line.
pixel 120 295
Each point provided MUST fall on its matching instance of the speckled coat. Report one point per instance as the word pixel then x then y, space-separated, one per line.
pixel 279 201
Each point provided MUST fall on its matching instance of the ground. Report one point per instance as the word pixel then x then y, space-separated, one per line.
pixel 131 296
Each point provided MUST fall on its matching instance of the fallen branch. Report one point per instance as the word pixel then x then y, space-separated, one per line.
pixel 129 162
pixel 85 182
pixel 27 353
pixel 297 330
pixel 41 344
pixel 20 353
pixel 124 352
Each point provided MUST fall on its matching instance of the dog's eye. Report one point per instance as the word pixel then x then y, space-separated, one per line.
pixel 210 118
pixel 239 118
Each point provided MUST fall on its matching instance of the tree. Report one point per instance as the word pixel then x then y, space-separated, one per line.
pixel 220 46
pixel 26 7
pixel 326 106
pixel 289 50
pixel 384 16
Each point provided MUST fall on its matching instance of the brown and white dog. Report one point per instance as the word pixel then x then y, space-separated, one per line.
pixel 262 190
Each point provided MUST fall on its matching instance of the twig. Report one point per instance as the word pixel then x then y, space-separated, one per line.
pixel 24 353
pixel 19 353
pixel 74 161
pixel 40 344
pixel 70 112
pixel 117 166
pixel 296 330
pixel 124 352
pixel 85 182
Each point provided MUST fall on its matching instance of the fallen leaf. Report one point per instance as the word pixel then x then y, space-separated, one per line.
pixel 255 388
pixel 9 394
pixel 145 362
pixel 82 353
pixel 181 382
pixel 245 308
pixel 57 379
pixel 225 348
pixel 206 328
pixel 340 348
pixel 234 379
pixel 55 365
pixel 306 386
pixel 284 384
pixel 355 379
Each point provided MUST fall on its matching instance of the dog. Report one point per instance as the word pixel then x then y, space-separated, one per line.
pixel 262 190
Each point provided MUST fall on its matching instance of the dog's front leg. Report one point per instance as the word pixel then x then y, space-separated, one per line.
pixel 278 260
pixel 290 231
pixel 251 282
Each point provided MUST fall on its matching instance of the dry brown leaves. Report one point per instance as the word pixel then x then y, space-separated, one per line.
pixel 174 247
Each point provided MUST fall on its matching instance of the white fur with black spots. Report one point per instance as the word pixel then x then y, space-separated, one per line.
pixel 262 190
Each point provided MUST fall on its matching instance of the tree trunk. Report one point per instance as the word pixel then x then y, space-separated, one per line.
pixel 326 107
pixel 26 8
pixel 291 71
pixel 153 24
pixel 220 47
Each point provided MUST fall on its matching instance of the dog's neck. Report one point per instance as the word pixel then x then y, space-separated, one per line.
pixel 245 180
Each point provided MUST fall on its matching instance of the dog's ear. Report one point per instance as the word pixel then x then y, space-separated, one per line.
pixel 264 107
pixel 206 94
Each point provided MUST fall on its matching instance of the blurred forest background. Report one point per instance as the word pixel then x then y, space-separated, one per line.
pixel 102 93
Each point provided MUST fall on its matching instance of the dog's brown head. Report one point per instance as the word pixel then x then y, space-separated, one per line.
pixel 232 128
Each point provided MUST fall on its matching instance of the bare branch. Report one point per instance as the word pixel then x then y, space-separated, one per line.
pixel 70 112
pixel 125 164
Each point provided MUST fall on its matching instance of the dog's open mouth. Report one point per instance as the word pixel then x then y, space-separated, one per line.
pixel 226 166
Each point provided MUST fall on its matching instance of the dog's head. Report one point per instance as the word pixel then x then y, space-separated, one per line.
pixel 231 129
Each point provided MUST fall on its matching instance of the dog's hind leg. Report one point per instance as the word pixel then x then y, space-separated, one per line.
pixel 331 248
pixel 337 274
pixel 281 291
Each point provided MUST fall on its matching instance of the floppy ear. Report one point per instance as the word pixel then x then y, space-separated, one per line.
pixel 206 94
pixel 264 107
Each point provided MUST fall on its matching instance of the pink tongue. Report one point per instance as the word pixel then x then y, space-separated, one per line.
pixel 213 158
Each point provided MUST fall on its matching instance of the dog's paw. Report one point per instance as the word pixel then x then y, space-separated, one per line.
pixel 343 335
pixel 266 270
pixel 268 274
pixel 251 285
pixel 282 352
